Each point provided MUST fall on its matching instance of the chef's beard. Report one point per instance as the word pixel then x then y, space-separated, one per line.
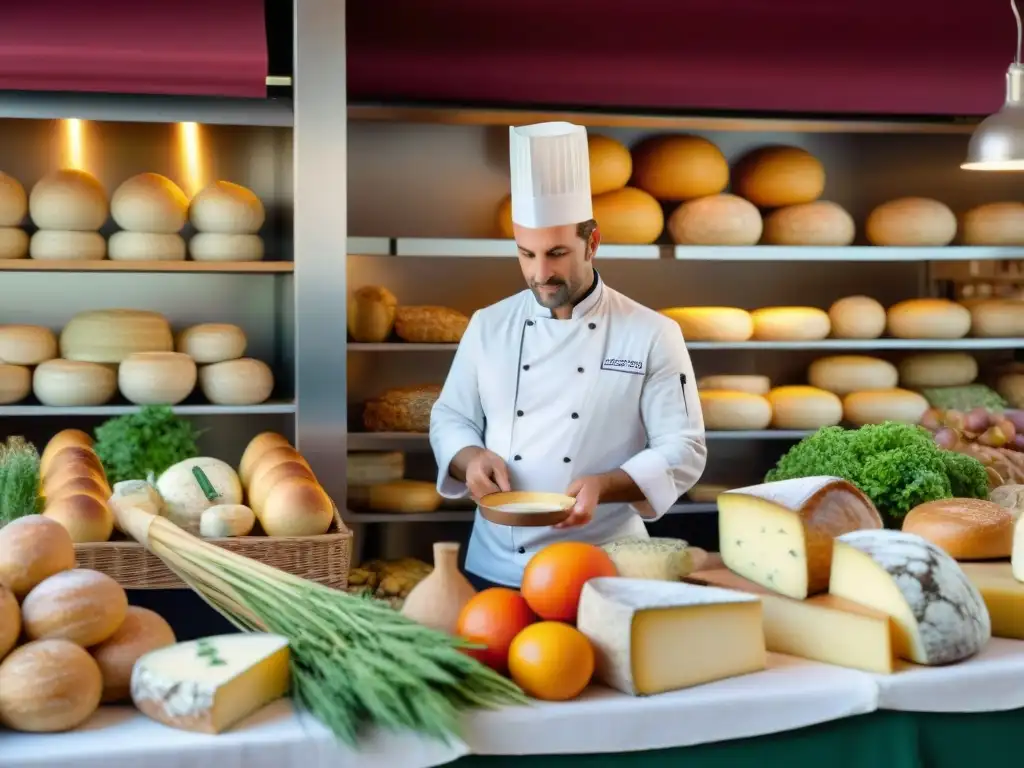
pixel 559 298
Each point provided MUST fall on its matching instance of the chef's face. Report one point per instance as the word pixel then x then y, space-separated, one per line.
pixel 557 261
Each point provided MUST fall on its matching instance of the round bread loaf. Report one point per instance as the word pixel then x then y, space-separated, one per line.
pixel 226 208
pixel 15 383
pixel 937 369
pixel 802 407
pixel 628 216
pixel 928 319
pixel 820 223
pixel 679 167
pixel 611 164
pixel 712 323
pixel 997 318
pixel 371 313
pixel 716 220
pixel 878 406
pixel 857 317
pixel 725 410
pixel 13 242
pixel 777 176
pixel 13 201
pixel 68 200
pixel 995 224
pixel 790 324
pixel 149 202
pixel 966 529
pixel 911 221
pixel 751 384
pixel 843 374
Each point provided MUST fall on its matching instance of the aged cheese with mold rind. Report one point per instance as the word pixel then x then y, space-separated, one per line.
pixel 208 685
pixel 779 535
pixel 651 637
pixel 939 616
pixel 655 558
pixel 1003 596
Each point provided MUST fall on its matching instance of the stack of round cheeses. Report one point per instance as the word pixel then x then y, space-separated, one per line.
pixel 69 207
pixel 13 207
pixel 225 376
pixel 227 218
pixel 22 347
pixel 151 211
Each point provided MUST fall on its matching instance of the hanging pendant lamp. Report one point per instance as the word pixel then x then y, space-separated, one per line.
pixel 998 142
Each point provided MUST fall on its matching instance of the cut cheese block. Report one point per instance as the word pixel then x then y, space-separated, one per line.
pixel 939 617
pixel 679 167
pixel 716 220
pixel 752 385
pixel 843 374
pixel 965 529
pixel 1017 553
pixel 209 685
pixel 779 535
pixel 712 323
pixel 937 369
pixel 15 383
pixel 628 216
pixel 408 496
pixel 997 318
pixel 651 637
pixel 822 628
pixel 650 558
pixel 911 221
pixel 1003 596
pixel 998 224
pixel 798 407
pixel 857 317
pixel 821 223
pixel 790 324
pixel 372 468
pixel 883 405
pixel 777 176
pixel 27 344
pixel 928 319
pixel 724 410
pixel 111 335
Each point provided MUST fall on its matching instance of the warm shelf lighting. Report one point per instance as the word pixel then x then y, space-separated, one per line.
pixel 190 147
pixel 74 144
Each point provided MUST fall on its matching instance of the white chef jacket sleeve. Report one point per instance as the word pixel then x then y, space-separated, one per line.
pixel 670 407
pixel 457 418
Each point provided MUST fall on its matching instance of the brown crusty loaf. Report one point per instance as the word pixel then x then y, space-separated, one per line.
pixel 371 313
pixel 406 409
pixel 966 529
pixel 430 325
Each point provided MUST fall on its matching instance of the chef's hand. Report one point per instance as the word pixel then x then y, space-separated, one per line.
pixel 486 473
pixel 587 491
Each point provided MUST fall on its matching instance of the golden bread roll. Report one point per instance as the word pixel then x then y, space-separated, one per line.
pixel 83 606
pixel 87 484
pixel 405 409
pixel 73 454
pixel 371 313
pixel 265 482
pixel 258 446
pixel 63 439
pixel 430 325
pixel 86 517
pixel 141 631
pixel 271 459
pixel 32 549
pixel 966 529
pixel 296 506
pixel 58 476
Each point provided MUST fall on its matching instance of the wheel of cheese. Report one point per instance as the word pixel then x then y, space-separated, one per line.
pixel 790 324
pixel 15 383
pixel 13 243
pixel 371 314
pixel 777 176
pixel 143 246
pixel 68 383
pixel 68 200
pixel 27 344
pixel 725 410
pixel 226 208
pixel 997 318
pixel 245 381
pixel 503 218
pixel 61 245
pixel 679 167
pixel 213 246
pixel 843 374
pixel 212 342
pixel 937 369
pixel 752 385
pixel 628 216
pixel 712 323
pixel 997 224
pixel 156 378
pixel 149 202
pixel 611 164
pixel 879 406
pixel 821 223
pixel 857 317
pixel 715 220
pixel 111 335
pixel 13 201
pixel 800 407
pixel 928 319
pixel 911 221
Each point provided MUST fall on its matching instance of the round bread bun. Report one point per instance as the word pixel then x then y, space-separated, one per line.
pixel 13 201
pixel 68 200
pixel 679 167
pixel 226 208
pixel 48 686
pixel 857 317
pixel 63 439
pixel 966 529
pixel 611 164
pixel 149 202
pixel 255 450
pixel 27 344
pixel 80 605
pixel 13 243
pixel 15 383
pixel 268 480
pixel 911 221
pixel 141 631
pixel 297 506
pixel 33 548
pixel 271 458
pixel 86 517
pixel 90 485
pixel 778 176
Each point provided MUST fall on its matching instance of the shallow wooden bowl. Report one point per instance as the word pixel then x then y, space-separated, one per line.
pixel 546 508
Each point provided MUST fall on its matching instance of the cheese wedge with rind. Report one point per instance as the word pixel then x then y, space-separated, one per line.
pixel 651 637
pixel 939 616
pixel 822 628
pixel 779 535
pixel 211 684
pixel 1003 596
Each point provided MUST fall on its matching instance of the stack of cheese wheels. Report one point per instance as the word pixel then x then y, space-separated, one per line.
pixel 911 221
pixel 227 218
pixel 225 376
pixel 376 481
pixel 928 319
pixel 13 207
pixel 996 224
pixel 857 317
pixel 79 637
pixel 282 489
pixel 727 410
pixel 803 407
pixel 151 211
pixel 156 378
pixel 843 374
pixel 69 207
pixel 997 318
pixel 790 324
pixel 937 369
pixel 21 348
pixel 881 405
pixel 712 323
pixel 74 487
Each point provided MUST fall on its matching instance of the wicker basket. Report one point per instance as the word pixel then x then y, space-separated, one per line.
pixel 325 559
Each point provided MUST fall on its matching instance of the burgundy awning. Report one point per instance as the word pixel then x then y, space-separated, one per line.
pixel 909 57
pixel 184 47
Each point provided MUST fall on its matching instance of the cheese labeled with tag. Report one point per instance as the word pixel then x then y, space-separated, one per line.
pixel 651 637
pixel 779 535
pixel 1003 596
pixel 658 559
pixel 939 617
pixel 822 628
pixel 209 685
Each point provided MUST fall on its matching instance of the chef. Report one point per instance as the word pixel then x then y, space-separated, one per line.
pixel 568 386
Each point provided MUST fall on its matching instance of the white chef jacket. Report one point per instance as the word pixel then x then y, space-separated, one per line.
pixel 610 388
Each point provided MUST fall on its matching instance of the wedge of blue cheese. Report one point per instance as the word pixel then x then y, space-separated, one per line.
pixel 209 685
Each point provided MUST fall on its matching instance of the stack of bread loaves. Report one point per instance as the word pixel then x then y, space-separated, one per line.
pixel 13 207
pixel 227 218
pixel 374 311
pixel 74 487
pixel 151 211
pixel 69 207
pixel 282 490
pixel 21 348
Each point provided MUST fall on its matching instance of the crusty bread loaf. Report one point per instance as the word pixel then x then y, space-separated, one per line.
pixel 405 409
pixel 430 325
pixel 966 529
pixel 371 313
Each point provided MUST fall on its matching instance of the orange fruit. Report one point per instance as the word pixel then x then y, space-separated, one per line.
pixel 554 578
pixel 493 618
pixel 551 661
